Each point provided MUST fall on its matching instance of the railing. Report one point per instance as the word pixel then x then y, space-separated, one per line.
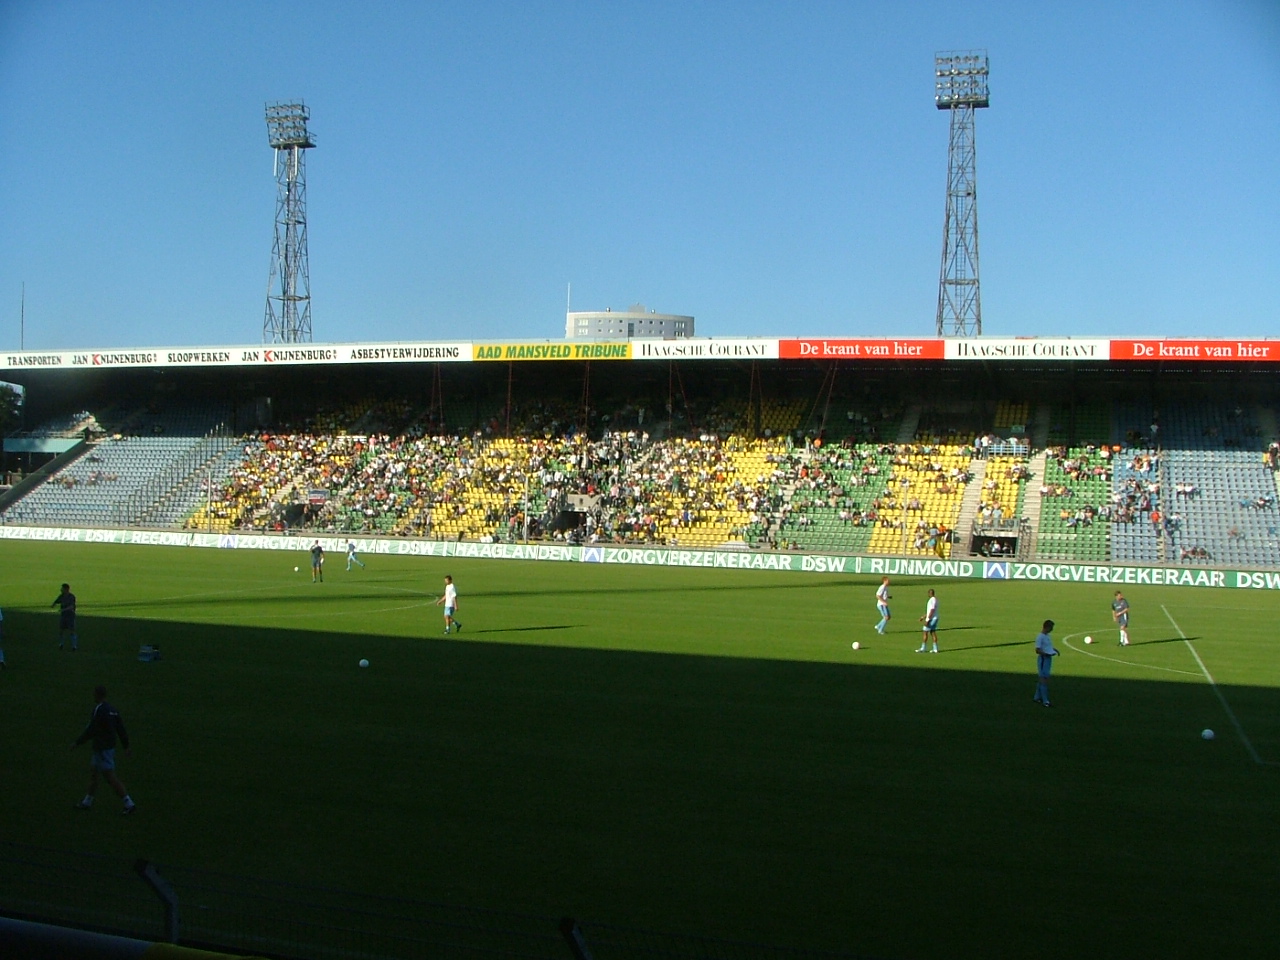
pixel 1004 448
pixel 220 911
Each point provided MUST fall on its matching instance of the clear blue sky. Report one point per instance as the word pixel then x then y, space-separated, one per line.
pixel 771 168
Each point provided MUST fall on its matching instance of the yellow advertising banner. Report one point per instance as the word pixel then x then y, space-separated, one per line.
pixel 551 351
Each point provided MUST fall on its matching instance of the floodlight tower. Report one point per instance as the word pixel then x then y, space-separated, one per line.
pixel 960 86
pixel 288 316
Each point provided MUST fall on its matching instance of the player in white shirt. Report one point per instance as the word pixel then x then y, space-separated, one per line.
pixel 930 621
pixel 882 605
pixel 450 601
pixel 351 555
pixel 1045 653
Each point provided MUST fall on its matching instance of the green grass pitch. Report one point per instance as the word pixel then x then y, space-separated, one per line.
pixel 689 750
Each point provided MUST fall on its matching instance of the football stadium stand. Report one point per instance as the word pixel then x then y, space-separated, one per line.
pixel 829 468
pixel 148 468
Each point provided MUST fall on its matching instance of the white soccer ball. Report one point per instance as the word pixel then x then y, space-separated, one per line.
pixel 295 569
pixel 856 645
pixel 1088 639
pixel 364 663
pixel 1206 734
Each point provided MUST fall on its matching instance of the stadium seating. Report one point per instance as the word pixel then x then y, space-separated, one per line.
pixel 1011 417
pixel 1003 485
pixel 374 466
pixel 123 476
pixel 1080 425
pixel 1074 512
pixel 923 494
pixel 1228 509
pixel 830 489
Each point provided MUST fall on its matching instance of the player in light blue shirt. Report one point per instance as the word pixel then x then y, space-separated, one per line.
pixel 882 605
pixel 351 555
pixel 1045 653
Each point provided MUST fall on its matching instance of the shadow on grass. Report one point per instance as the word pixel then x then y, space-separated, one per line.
pixel 987 646
pixel 547 761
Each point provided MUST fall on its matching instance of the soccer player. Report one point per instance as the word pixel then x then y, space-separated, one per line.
pixel 104 727
pixel 67 618
pixel 351 555
pixel 1045 653
pixel 1120 614
pixel 882 605
pixel 930 621
pixel 450 601
pixel 317 562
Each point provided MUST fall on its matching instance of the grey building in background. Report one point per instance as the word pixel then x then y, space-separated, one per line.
pixel 632 323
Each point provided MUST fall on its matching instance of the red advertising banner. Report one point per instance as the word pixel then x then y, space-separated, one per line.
pixel 1197 350
pixel 882 349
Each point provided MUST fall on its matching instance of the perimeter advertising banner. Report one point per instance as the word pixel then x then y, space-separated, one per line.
pixel 706 348
pixel 261 355
pixel 1028 348
pixel 552 350
pixel 1093 573
pixel 1197 350
pixel 902 349
pixel 877 349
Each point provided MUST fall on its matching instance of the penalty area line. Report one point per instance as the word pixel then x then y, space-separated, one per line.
pixel 1213 684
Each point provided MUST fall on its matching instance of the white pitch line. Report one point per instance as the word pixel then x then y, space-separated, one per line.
pixel 1248 745
pixel 1066 642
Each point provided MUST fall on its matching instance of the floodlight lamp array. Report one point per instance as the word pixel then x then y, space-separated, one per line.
pixel 287 125
pixel 960 79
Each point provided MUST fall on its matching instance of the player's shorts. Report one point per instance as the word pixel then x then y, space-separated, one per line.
pixel 931 624
pixel 67 621
pixel 1122 620
pixel 448 611
pixel 1044 665
pixel 883 608
pixel 103 759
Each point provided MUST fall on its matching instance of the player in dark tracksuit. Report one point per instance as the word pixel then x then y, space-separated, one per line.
pixel 104 728
pixel 67 618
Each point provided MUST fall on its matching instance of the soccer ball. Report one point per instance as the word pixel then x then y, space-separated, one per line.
pixel 364 663
pixel 1088 639
pixel 1206 734
pixel 856 645
pixel 295 569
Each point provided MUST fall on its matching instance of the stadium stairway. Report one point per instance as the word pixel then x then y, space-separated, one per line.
pixel 969 505
pixel 910 424
pixel 1039 432
pixel 1266 420
pixel 1032 503
pixel 177 504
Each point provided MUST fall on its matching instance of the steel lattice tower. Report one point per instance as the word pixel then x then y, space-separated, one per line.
pixel 960 86
pixel 288 316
